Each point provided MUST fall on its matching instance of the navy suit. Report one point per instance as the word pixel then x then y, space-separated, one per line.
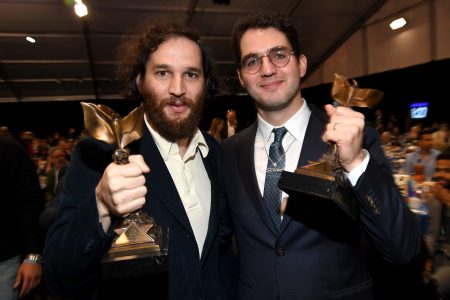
pixel 76 242
pixel 314 255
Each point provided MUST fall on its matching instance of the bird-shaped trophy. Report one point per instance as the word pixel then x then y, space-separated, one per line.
pixel 325 178
pixel 139 246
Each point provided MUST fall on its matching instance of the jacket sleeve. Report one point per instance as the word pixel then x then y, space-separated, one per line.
pixel 385 217
pixel 30 203
pixel 76 241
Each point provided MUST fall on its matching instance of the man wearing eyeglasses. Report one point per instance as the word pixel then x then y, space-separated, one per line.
pixel 282 257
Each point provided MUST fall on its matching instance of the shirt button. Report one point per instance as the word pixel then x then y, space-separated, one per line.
pixel 281 251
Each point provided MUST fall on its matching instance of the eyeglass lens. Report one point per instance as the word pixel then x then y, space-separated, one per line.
pixel 278 56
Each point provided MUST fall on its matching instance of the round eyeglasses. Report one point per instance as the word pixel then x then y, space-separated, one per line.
pixel 278 56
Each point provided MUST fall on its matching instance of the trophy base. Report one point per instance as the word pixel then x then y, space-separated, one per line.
pixel 138 259
pixel 316 189
pixel 134 265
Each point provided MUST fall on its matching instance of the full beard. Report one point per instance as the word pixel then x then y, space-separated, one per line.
pixel 176 128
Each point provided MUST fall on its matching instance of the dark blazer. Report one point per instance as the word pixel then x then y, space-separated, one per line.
pixel 76 242
pixel 21 201
pixel 315 255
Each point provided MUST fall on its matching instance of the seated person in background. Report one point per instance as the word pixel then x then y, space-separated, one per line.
pixel 56 161
pixel 425 155
pixel 441 137
pixel 217 125
pixel 438 236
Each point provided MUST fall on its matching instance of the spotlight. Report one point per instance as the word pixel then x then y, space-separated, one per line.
pixel 80 9
pixel 398 23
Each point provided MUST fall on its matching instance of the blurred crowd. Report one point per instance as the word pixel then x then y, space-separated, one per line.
pixel 50 154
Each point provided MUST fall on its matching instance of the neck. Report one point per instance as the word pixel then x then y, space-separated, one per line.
pixel 425 151
pixel 279 117
pixel 182 146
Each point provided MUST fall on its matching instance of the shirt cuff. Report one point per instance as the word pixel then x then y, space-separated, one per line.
pixel 354 175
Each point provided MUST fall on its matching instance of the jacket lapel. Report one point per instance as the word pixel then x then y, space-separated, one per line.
pixel 160 182
pixel 210 163
pixel 313 147
pixel 246 162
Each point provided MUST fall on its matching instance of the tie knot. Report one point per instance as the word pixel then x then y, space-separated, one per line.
pixel 279 134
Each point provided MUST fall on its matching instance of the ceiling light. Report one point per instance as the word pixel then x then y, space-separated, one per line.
pixel 81 9
pixel 30 39
pixel 398 23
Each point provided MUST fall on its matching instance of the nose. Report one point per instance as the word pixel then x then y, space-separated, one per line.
pixel 177 87
pixel 267 67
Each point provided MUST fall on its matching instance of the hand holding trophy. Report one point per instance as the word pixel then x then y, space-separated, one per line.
pixel 139 240
pixel 325 178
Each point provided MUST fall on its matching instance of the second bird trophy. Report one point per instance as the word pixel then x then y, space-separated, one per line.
pixel 140 246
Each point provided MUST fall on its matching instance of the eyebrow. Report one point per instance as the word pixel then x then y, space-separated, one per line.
pixel 188 69
pixel 261 53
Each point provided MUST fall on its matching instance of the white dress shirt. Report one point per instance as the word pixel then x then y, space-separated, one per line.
pixel 190 178
pixel 292 145
pixel 231 129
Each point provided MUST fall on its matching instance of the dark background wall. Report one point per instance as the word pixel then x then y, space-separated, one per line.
pixel 422 83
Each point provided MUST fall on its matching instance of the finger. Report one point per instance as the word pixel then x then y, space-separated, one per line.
pixel 125 209
pixel 139 160
pixel 25 288
pixel 119 183
pixel 330 109
pixel 122 199
pixel 135 205
pixel 18 280
pixel 283 205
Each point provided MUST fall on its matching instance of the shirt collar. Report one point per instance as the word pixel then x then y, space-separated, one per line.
pixel 166 147
pixel 298 120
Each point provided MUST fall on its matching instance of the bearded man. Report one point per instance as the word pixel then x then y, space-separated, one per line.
pixel 172 176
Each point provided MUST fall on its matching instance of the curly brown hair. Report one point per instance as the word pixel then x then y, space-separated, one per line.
pixel 133 53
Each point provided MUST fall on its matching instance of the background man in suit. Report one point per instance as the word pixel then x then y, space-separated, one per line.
pixel 305 253
pixel 171 176
pixel 231 125
pixel 21 203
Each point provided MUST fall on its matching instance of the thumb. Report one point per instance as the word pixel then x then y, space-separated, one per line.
pixel 139 160
pixel 330 109
pixel 18 280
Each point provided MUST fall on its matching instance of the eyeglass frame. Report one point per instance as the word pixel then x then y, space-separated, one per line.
pixel 260 59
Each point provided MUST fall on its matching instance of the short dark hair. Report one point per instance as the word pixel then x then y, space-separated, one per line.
pixel 444 155
pixel 426 130
pixel 264 21
pixel 135 49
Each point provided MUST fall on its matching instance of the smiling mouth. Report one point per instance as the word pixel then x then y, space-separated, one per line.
pixel 271 84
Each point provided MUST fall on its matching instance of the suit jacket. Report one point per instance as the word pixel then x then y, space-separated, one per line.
pixel 76 242
pixel 317 254
pixel 21 201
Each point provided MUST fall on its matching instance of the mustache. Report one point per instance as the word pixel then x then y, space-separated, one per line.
pixel 172 100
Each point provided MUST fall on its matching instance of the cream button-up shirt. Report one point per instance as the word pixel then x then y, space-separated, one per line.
pixel 190 178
